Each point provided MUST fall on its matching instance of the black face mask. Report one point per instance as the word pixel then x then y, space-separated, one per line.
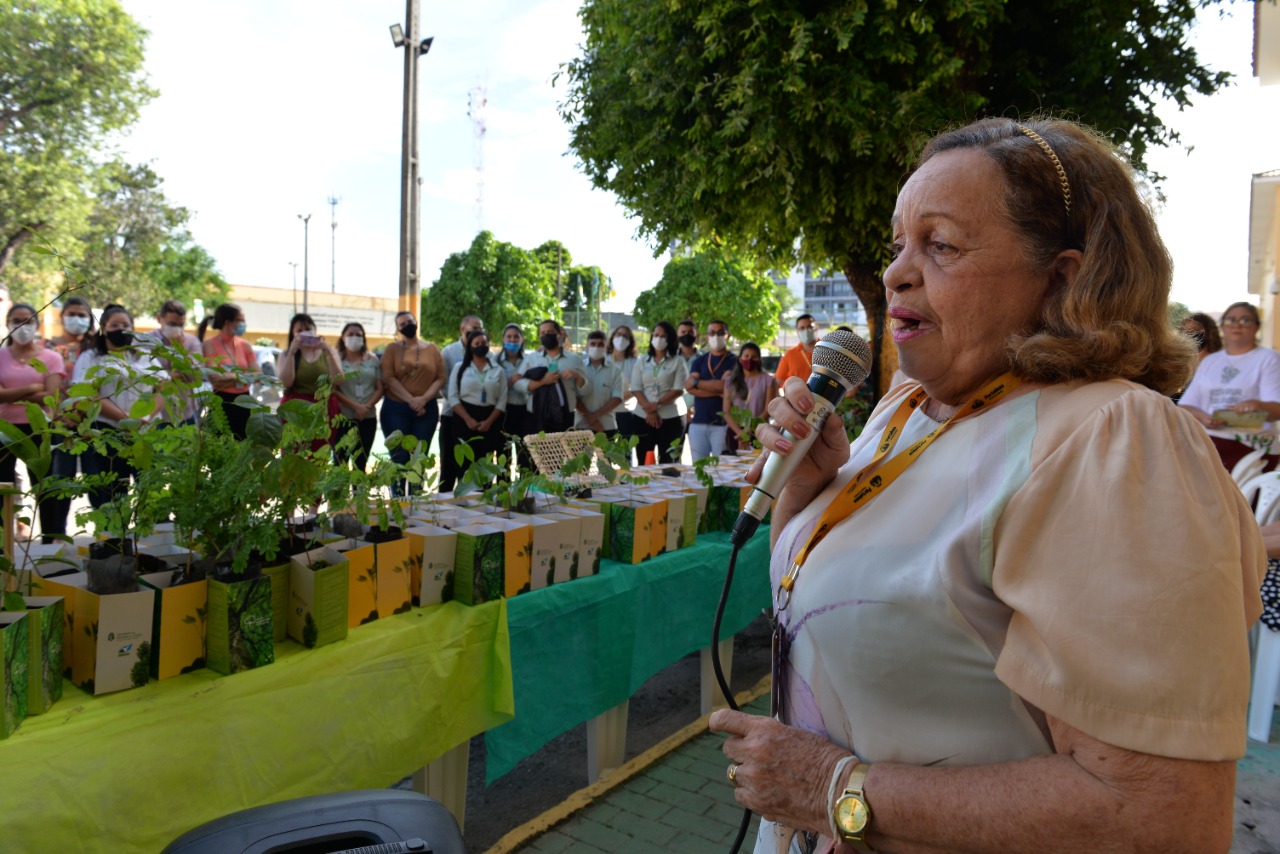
pixel 480 350
pixel 550 341
pixel 409 330
pixel 120 337
pixel 687 340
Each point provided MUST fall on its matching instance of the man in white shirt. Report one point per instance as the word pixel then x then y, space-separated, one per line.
pixel 597 408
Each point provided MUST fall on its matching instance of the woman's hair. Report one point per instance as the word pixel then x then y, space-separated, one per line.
pixel 342 339
pixel 17 305
pixel 738 379
pixel 222 315
pixel 666 329
pixel 295 320
pixel 631 336
pixel 467 358
pixel 1212 337
pixel 1249 307
pixel 100 341
pixel 1111 321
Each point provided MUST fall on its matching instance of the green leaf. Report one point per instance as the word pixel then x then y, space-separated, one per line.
pixel 13 601
pixel 143 407
pixel 264 429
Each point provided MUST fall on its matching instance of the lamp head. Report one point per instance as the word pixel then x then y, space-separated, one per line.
pixel 425 47
pixel 397 35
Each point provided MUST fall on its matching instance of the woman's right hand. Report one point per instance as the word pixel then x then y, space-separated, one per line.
pixel 827 454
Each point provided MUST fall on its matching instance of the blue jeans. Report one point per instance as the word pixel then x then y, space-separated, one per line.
pixel 397 415
pixel 706 440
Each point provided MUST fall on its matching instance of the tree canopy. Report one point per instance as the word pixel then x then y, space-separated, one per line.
pixel 70 74
pixel 784 128
pixel 498 282
pixel 712 284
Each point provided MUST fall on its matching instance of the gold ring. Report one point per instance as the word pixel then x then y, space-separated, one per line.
pixel 733 774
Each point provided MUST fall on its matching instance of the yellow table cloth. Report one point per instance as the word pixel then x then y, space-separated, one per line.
pixel 132 771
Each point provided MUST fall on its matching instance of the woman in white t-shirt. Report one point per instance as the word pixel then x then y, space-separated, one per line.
pixel 1242 378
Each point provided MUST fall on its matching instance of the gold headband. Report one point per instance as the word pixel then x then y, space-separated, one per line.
pixel 1057 164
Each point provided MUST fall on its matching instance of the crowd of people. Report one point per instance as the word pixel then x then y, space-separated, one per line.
pixel 477 390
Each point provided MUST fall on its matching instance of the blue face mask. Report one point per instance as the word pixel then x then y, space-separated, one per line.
pixel 240 328
pixel 512 347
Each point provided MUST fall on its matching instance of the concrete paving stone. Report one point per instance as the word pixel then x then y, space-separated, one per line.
pixel 604 812
pixel 728 814
pixel 713 769
pixel 650 830
pixel 699 824
pixel 682 799
pixel 676 777
pixel 638 804
pixel 594 833
pixel 552 842
pixel 677 760
pixel 639 785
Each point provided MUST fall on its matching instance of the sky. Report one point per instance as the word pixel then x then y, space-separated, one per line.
pixel 268 108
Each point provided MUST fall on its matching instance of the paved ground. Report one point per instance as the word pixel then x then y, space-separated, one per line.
pixel 680 802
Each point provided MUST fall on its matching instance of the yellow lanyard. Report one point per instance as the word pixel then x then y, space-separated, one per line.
pixel 858 494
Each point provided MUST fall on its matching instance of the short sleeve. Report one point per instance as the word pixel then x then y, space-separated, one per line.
pixel 1132 566
pixel 680 374
pixel 53 361
pixel 1269 378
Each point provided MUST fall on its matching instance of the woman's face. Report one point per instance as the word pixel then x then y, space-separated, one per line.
pixel 480 342
pixel 75 311
pixel 512 336
pixel 118 322
pixel 21 317
pixel 302 326
pixel 1239 329
pixel 960 285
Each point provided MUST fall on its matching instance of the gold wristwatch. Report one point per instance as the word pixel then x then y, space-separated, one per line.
pixel 851 814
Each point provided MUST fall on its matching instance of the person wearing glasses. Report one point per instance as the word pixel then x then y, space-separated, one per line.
pixel 1239 380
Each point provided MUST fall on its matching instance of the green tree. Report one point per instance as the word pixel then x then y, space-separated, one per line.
pixel 1178 312
pixel 182 269
pixel 712 284
pixel 784 128
pixel 498 282
pixel 70 74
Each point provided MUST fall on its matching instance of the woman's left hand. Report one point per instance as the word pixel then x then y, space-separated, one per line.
pixel 783 773
pixel 1246 406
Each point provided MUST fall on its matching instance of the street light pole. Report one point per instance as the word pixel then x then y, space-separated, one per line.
pixel 306 258
pixel 294 265
pixel 407 38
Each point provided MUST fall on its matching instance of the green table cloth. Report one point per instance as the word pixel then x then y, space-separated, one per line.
pixel 134 770
pixel 579 649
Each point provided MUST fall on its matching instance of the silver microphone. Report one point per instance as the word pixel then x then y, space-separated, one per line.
pixel 841 360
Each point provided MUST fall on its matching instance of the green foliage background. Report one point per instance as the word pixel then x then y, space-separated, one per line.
pixel 712 284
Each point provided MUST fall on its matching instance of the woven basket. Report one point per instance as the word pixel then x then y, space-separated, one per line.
pixel 550 451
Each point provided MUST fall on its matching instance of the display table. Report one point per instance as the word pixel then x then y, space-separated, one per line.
pixel 134 770
pixel 581 649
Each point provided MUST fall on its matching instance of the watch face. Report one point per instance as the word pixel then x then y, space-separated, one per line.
pixel 851 814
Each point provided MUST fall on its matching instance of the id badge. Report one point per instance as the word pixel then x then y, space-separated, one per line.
pixel 484 396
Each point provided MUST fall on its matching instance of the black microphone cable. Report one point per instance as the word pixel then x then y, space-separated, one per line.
pixel 719 671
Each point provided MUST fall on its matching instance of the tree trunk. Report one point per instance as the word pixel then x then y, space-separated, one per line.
pixel 866 283
pixel 15 242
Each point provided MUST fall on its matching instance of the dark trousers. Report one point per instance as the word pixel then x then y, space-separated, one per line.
pixel 631 425
pixel 661 439
pixel 397 415
pixel 47 506
pixel 237 416
pixel 94 462
pixel 484 444
pixel 367 429
pixel 517 423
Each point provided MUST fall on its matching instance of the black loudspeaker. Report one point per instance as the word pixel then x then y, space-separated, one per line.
pixel 386 821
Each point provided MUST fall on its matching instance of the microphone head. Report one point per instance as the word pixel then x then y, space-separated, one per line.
pixel 844 353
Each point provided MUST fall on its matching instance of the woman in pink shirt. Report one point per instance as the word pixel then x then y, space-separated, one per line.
pixel 21 384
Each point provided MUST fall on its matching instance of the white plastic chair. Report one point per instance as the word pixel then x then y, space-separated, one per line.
pixel 1249 466
pixel 1265 692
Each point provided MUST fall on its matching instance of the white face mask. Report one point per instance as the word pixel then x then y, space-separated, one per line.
pixel 75 324
pixel 24 334
pixel 595 353
pixel 354 342
pixel 171 331
pixel 808 336
pixel 716 342
pixel 659 343
pixel 620 343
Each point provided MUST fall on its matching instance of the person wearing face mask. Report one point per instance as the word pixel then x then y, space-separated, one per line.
pixel 77 331
pixel 453 353
pixel 597 409
pixel 413 374
pixel 171 332
pixel 749 387
pixel 307 366
pixel 658 384
pixel 117 368
pixel 229 350
pixel 705 382
pixel 20 384
pixel 798 360
pixel 687 336
pixel 553 378
pixel 77 335
pixel 477 394
pixel 517 421
pixel 358 394
pixel 622 349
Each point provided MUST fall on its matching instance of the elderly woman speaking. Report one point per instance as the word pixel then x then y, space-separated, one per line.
pixel 1013 613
